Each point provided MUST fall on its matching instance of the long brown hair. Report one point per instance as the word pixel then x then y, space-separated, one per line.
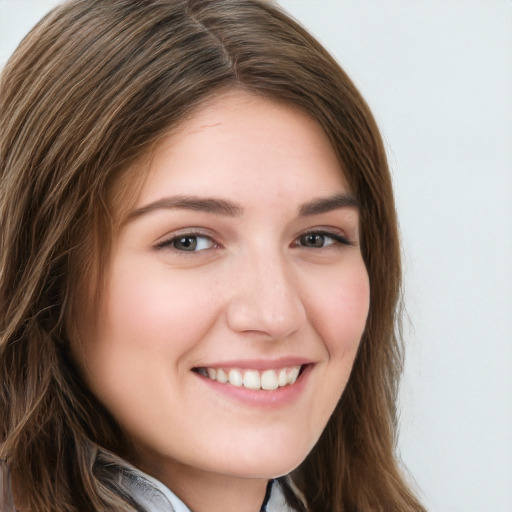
pixel 89 91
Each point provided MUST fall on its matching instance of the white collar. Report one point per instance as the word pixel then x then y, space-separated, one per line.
pixel 154 496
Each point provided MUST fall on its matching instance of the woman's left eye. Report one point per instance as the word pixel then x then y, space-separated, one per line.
pixel 320 239
pixel 188 243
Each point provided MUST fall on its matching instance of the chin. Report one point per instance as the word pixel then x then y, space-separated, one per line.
pixel 265 463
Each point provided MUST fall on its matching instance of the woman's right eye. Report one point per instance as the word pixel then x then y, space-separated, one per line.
pixel 188 243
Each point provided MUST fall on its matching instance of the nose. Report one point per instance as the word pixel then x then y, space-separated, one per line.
pixel 265 299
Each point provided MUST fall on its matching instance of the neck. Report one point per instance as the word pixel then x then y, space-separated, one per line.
pixel 211 492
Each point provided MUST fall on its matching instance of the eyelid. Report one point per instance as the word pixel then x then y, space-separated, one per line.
pixel 167 241
pixel 339 238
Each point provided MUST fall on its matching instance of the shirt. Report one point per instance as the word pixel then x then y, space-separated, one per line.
pixel 148 492
pixel 156 497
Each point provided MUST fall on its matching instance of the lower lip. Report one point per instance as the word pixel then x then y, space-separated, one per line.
pixel 274 399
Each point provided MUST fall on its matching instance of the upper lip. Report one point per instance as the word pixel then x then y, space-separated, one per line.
pixel 259 364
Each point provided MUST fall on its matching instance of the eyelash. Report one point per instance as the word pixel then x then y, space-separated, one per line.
pixel 171 242
pixel 338 239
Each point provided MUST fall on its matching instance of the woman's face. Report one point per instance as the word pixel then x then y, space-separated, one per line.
pixel 238 269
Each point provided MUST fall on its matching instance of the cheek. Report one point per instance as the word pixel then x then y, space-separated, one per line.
pixel 162 310
pixel 148 325
pixel 341 309
pixel 337 311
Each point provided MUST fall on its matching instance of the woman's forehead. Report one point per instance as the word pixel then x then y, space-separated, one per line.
pixel 239 143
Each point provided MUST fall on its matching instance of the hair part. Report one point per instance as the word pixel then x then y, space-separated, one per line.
pixel 84 99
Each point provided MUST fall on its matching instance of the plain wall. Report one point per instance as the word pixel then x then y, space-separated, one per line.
pixel 438 76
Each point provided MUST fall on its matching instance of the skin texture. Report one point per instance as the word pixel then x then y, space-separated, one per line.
pixel 254 291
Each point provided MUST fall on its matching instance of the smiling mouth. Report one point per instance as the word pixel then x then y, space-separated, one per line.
pixel 268 380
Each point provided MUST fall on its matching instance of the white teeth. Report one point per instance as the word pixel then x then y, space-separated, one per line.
pixel 221 376
pixel 293 375
pixel 282 380
pixel 236 378
pixel 252 379
pixel 268 380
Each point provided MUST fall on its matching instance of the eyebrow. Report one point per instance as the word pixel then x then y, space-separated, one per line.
pixel 327 204
pixel 231 209
pixel 201 204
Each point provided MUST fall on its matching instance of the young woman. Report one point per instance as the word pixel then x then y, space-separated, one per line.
pixel 200 267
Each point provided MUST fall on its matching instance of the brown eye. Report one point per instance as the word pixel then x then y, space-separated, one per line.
pixel 321 239
pixel 314 240
pixel 185 243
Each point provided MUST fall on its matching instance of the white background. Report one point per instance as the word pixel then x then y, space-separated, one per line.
pixel 438 76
